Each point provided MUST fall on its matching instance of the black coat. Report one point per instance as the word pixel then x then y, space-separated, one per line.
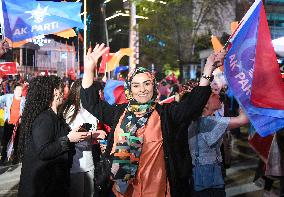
pixel 47 158
pixel 175 117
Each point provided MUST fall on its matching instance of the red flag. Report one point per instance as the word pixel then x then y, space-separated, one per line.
pixel 105 58
pixel 261 145
pixel 267 85
pixel 168 100
pixel 8 68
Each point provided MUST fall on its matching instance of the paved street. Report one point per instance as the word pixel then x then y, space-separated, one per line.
pixel 9 179
pixel 238 181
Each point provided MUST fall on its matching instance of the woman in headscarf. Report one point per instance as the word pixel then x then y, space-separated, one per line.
pixel 144 146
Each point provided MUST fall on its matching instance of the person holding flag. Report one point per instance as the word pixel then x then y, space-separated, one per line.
pixel 144 131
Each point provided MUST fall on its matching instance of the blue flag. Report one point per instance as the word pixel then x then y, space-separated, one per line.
pixel 29 18
pixel 114 92
pixel 120 69
pixel 240 67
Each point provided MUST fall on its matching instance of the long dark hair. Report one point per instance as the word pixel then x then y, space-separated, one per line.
pixel 73 99
pixel 39 98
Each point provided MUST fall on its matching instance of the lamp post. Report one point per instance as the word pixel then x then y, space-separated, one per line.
pixel 133 37
pixel 85 29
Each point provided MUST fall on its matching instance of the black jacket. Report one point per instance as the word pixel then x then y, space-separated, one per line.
pixel 47 158
pixel 174 117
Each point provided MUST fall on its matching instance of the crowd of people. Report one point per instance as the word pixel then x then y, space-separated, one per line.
pixel 71 142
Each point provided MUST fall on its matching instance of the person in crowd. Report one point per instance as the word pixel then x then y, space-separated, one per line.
pixel 204 138
pixel 143 148
pixel 163 90
pixel 25 87
pixel 82 171
pixel 66 89
pixel 46 143
pixel 14 106
pixel 275 162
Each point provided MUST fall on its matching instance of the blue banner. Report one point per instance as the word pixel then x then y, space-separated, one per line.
pixel 239 69
pixel 29 18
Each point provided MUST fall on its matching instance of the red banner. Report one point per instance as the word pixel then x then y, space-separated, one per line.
pixel 8 68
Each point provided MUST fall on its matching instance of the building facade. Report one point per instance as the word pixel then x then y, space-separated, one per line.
pixel 275 17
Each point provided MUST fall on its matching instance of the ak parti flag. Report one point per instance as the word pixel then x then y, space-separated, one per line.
pixel 30 18
pixel 8 68
pixel 250 69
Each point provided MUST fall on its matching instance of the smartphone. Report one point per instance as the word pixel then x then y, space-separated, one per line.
pixel 103 142
pixel 85 127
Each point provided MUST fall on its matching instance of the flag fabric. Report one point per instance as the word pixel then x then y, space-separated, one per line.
pixel 242 71
pixel 120 69
pixel 105 59
pixel 261 145
pixel 66 33
pixel 114 92
pixel 114 61
pixel 266 75
pixel 168 100
pixel 234 26
pixel 217 46
pixel 8 68
pixel 27 19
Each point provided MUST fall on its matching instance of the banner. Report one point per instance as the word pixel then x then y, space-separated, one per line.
pixel 8 68
pixel 27 19
pixel 241 67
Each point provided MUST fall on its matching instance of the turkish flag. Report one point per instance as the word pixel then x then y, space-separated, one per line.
pixel 168 100
pixel 8 68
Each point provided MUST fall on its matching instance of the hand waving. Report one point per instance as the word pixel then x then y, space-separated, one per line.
pixel 92 57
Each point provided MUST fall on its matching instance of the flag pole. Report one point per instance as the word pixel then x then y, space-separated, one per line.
pixel 103 9
pixel 2 21
pixel 78 71
pixel 132 32
pixel 85 30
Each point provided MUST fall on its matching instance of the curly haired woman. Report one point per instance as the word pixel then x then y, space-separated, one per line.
pixel 45 145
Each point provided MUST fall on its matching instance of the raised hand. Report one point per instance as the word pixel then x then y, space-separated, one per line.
pixel 91 61
pixel 92 57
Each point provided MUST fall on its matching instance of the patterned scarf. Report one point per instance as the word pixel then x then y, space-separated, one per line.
pixel 129 146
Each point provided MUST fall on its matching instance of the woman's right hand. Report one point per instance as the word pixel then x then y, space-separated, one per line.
pixel 91 61
pixel 92 57
pixel 75 136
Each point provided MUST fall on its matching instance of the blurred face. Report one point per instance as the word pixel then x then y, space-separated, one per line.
pixel 215 88
pixel 212 105
pixel 58 96
pixel 142 88
pixel 18 91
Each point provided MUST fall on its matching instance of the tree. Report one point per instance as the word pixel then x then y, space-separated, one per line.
pixel 172 30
